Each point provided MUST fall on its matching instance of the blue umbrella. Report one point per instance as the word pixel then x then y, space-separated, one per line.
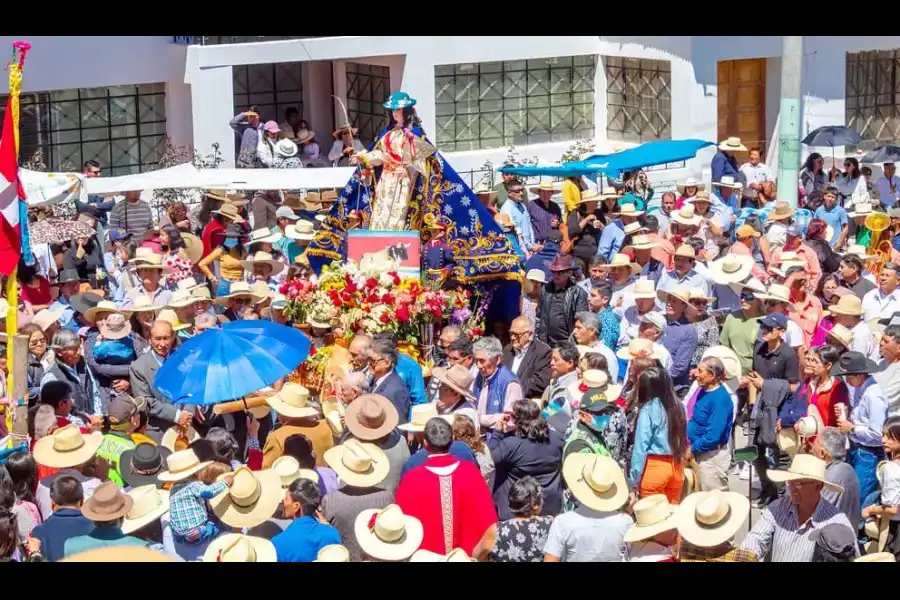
pixel 648 155
pixel 231 362
pixel 832 135
pixel 571 169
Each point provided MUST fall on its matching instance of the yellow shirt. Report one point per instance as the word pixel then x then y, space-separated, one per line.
pixel 230 264
pixel 571 196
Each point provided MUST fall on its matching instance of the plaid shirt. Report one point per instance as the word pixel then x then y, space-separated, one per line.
pixel 802 217
pixel 722 553
pixel 609 327
pixel 187 504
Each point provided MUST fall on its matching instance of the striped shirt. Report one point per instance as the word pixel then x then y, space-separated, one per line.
pixel 779 531
pixel 134 218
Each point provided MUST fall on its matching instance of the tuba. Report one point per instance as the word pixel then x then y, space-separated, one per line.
pixel 880 244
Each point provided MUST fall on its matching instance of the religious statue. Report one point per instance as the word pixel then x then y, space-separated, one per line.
pixel 402 183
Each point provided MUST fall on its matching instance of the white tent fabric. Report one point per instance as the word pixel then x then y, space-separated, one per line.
pixel 52 188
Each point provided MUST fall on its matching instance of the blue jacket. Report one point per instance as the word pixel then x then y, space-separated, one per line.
pixel 539 259
pixel 710 424
pixel 722 165
pixel 394 389
pixel 62 525
pixel 411 373
pixel 611 240
pixel 651 436
pixel 680 339
pixel 302 540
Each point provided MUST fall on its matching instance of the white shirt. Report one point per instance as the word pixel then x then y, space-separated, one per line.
pixel 793 335
pixel 755 174
pixel 628 326
pixel 518 357
pixel 777 234
pixel 887 197
pixel 612 361
pixel 864 342
pixel 622 297
pixel 42 495
pixel 876 305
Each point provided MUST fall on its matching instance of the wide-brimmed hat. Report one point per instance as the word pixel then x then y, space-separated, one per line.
pixel 371 417
pixel 680 292
pixel 116 327
pixel 107 503
pixel 642 242
pixel 729 359
pixel 483 189
pixel 144 303
pixel 596 481
pixel 239 548
pixel 848 305
pixel 708 519
pixel 690 182
pixel 149 503
pixel 301 230
pixel 103 306
pixel 622 260
pixel 333 553
pixel 638 348
pixel 804 466
pixel 239 289
pixel 399 100
pixel 745 231
pixel 841 335
pixel 629 210
pixel 263 258
pixel 731 268
pixel 455 555
pixel 653 515
pixel 701 196
pixel 181 465
pixel 193 246
pixel 264 235
pixel 67 447
pixel 633 228
pixel 732 144
pixel 171 317
pixel 536 275
pixel 608 193
pixel 304 135
pixel 458 378
pixel 252 498
pixel 286 148
pixel 181 299
pixel 854 363
pixel 593 381
pixel 84 302
pixel 560 262
pixel 729 182
pixel 68 276
pixel 45 318
pixel 388 534
pixel 698 294
pixel 859 251
pixel 360 464
pixel 861 209
pixel 782 211
pixel 810 425
pixel 644 289
pixel 877 557
pixel 686 216
pixel 337 133
pixel 141 465
pixel 545 186
pixel 292 401
pixel 171 435
pixel 288 469
pixel 419 417
pixel 152 260
pixel 229 210
pixel 777 292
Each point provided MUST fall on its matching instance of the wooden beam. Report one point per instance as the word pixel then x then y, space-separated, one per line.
pixel 20 381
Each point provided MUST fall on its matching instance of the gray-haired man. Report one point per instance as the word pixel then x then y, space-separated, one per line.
pixel 496 387
pixel 69 366
pixel 831 447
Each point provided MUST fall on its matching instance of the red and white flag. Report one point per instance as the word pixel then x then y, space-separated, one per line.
pixel 11 194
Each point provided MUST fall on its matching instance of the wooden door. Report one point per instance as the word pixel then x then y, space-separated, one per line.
pixel 742 102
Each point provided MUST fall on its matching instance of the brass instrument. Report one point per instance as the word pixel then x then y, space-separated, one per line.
pixel 880 244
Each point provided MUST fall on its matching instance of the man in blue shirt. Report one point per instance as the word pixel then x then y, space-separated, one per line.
pixel 69 282
pixel 518 212
pixel 835 216
pixel 709 427
pixel 680 335
pixel 306 535
pixel 614 234
pixel 66 521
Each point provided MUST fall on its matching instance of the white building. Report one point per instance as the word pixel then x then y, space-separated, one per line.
pixel 115 98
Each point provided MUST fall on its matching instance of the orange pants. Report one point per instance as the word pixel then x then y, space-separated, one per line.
pixel 662 475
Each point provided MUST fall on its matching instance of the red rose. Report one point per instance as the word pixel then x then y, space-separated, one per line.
pixel 346 296
pixel 403 314
pixel 396 278
pixel 283 289
pixel 388 298
pixel 477 331
pixel 385 318
pixel 336 301
pixel 371 284
pixel 372 298
pixel 312 351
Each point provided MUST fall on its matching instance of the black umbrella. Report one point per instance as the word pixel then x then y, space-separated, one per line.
pixel 882 154
pixel 832 135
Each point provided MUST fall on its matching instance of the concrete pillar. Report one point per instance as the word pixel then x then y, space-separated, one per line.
pixel 317 100
pixel 179 118
pixel 212 99
pixel 791 117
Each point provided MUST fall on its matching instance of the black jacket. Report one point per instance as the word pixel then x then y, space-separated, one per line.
pixel 555 329
pixel 534 370
pixel 828 259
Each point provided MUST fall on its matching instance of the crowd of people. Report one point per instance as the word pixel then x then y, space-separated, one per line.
pixel 657 333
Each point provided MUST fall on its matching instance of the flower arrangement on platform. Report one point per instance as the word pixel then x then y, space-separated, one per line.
pixel 471 321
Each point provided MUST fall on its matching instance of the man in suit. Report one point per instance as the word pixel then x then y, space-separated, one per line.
pixel 163 414
pixel 527 357
pixel 382 358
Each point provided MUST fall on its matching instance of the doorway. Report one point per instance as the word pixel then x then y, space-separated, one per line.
pixel 742 102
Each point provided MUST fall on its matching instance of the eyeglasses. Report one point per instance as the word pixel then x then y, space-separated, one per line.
pixel 748 296
pixel 373 360
pixel 773 303
pixel 518 335
pixel 848 165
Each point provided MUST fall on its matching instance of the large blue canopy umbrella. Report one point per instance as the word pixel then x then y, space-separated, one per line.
pixel 231 362
pixel 570 169
pixel 648 155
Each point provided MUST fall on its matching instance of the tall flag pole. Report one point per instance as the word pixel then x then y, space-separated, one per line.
pixel 13 210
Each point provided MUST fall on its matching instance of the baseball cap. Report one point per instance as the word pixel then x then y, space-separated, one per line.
pixel 774 321
pixel 285 212
pixel 122 409
pixel 656 319
pixel 745 231
pixel 116 234
pixel 272 127
pixel 794 230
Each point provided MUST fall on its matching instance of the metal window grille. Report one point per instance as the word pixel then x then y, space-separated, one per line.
pixel 872 101
pixel 368 86
pixel 212 40
pixel 496 104
pixel 121 127
pixel 638 98
pixel 272 87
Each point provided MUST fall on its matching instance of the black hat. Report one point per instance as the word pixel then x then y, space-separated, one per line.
pixel 836 540
pixel 68 276
pixel 886 321
pixel 84 302
pixel 140 465
pixel 854 363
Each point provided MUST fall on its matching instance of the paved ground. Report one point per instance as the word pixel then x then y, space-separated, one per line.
pixel 742 487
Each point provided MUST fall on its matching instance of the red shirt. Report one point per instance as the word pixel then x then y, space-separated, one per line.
pixel 451 499
pixel 38 295
pixel 213 235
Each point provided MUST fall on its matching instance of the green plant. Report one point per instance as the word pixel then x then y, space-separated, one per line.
pixel 577 150
pixel 178 155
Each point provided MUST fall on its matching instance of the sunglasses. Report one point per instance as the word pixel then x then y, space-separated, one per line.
pixel 749 297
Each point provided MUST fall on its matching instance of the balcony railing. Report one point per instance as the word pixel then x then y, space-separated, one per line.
pixel 210 40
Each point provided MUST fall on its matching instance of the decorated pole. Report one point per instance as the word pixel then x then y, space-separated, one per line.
pixel 15 215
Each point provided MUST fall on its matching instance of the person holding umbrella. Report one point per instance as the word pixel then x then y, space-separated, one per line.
pixel 851 184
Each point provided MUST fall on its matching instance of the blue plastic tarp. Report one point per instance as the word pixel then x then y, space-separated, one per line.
pixel 648 155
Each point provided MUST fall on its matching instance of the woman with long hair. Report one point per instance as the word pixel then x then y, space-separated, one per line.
pixel 660 438
pixel 465 432
pixel 533 450
pixel 815 239
pixel 851 184
pixel 229 257
pixel 175 255
pixel 888 504
pixel 818 388
pixel 23 471
pixel 813 176
pixel 584 234
pixel 35 288
pixel 176 214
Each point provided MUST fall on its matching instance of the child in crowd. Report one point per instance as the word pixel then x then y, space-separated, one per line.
pixel 190 520
pixel 889 480
pixel 115 345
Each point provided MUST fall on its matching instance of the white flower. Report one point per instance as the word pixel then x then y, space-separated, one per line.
pixel 465 201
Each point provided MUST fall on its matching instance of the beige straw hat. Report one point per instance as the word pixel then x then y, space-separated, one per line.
pixel 644 289
pixel 333 553
pixel 238 548
pixel 388 534
pixel 707 519
pixel 252 498
pixel 732 144
pixel 67 447
pixel 292 401
pixel 149 504
pixel 731 268
pixel 653 515
pixel 359 464
pixel 421 414
pixel 288 469
pixel 90 315
pixel 622 260
pixel 182 464
pixel 596 481
pixel 804 466
pixel 263 258
pixel 170 437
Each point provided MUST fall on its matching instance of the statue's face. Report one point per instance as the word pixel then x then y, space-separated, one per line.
pixel 397 113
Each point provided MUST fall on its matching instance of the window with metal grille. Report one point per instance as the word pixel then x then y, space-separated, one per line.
pixel 496 104
pixel 368 86
pixel 273 88
pixel 638 99
pixel 872 96
pixel 212 40
pixel 121 127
